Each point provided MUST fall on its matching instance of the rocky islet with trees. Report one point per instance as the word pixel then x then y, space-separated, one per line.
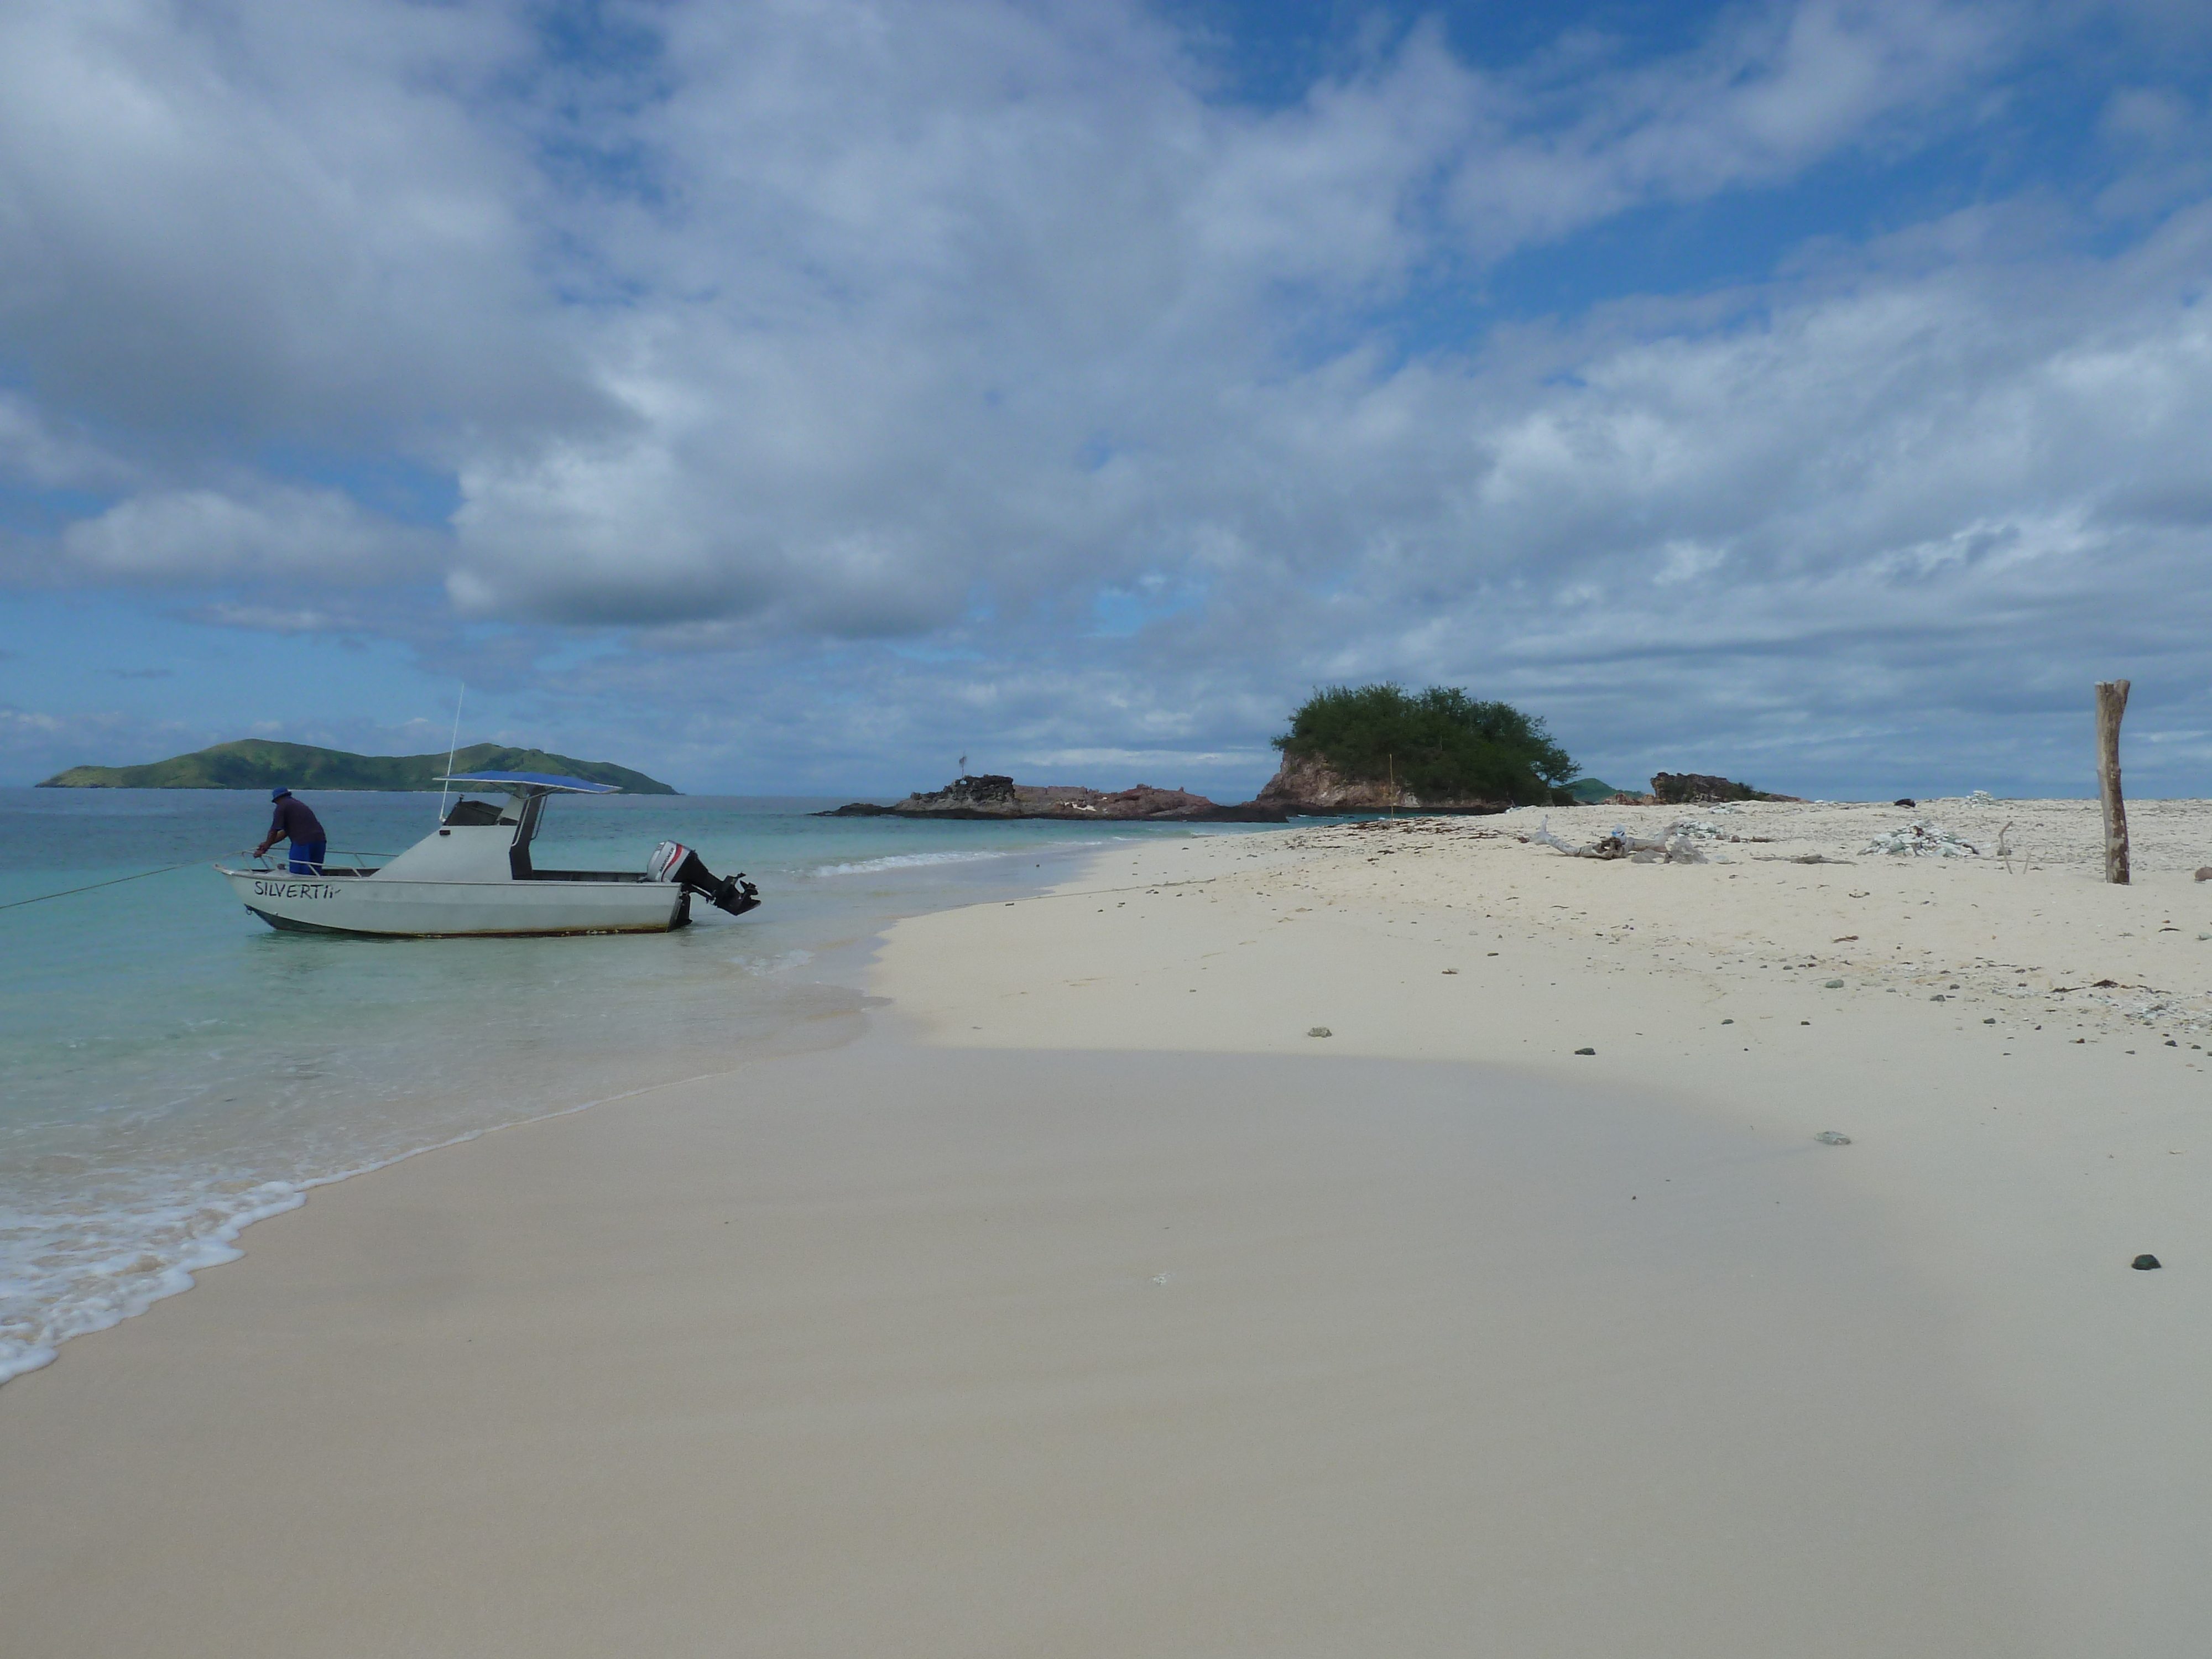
pixel 1349 749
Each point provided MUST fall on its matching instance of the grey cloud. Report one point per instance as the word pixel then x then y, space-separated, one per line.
pixel 261 218
pixel 33 451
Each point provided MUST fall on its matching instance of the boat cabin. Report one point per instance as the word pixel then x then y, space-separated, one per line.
pixel 482 841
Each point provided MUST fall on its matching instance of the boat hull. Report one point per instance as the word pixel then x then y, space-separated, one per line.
pixel 374 907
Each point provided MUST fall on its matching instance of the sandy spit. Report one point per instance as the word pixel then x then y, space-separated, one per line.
pixel 2010 1045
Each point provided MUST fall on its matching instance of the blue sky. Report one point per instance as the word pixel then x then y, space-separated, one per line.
pixel 794 397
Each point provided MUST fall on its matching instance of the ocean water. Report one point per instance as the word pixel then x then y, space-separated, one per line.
pixel 171 1069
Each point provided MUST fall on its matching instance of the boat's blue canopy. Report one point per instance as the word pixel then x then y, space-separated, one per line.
pixel 534 781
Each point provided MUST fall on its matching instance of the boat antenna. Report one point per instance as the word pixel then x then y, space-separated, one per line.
pixel 452 748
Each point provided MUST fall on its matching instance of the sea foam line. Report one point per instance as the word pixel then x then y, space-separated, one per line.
pixel 29 1350
pixel 907 860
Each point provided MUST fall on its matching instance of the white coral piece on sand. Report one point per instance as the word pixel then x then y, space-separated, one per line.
pixel 1921 839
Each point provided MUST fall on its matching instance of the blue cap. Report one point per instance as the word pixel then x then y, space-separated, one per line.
pixel 279 793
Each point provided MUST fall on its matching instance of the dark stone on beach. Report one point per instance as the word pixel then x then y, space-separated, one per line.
pixel 1319 1030
pixel 1585 1051
pixel 992 796
pixel 2143 1264
pixel 1904 800
pixel 1832 1137
pixel 2204 872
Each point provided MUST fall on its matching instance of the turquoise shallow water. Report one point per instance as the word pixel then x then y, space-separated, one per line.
pixel 175 1069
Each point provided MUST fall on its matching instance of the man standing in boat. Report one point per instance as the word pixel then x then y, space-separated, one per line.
pixel 295 821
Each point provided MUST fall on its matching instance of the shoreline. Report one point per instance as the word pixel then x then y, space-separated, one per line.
pixel 249 1068
pixel 1155 1039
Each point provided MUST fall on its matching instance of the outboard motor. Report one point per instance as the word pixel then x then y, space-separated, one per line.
pixel 673 861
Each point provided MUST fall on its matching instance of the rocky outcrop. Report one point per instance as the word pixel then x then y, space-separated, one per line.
pixel 1688 788
pixel 1308 786
pixel 994 796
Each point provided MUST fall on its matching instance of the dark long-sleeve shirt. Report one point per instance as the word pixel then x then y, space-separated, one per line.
pixel 295 820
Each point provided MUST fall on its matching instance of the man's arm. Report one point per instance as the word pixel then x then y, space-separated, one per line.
pixel 276 831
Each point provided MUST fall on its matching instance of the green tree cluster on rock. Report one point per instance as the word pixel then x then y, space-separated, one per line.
pixel 1441 743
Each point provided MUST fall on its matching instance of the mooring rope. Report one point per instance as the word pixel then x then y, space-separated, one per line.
pixel 42 897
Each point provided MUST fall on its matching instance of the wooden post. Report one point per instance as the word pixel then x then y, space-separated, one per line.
pixel 2112 703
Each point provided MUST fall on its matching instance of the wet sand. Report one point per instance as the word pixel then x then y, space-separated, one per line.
pixel 904 1351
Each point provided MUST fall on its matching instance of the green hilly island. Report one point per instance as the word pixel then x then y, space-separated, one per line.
pixel 256 763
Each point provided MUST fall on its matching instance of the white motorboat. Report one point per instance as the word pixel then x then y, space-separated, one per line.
pixel 474 876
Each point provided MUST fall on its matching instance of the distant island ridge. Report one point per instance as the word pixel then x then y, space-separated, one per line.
pixel 258 764
pixel 1350 750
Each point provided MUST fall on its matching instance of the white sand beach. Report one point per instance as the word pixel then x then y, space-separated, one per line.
pixel 1087 1304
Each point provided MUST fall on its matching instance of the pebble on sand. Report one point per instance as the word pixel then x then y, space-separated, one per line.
pixel 2145 1263
pixel 1319 1030
pixel 1585 1051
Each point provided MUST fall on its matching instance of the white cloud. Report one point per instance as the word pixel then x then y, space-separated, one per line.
pixel 840 321
pixel 1774 91
pixel 319 535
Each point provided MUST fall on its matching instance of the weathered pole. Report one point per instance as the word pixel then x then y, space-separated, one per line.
pixel 2112 703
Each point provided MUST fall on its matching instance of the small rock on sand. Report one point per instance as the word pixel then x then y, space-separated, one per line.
pixel 1585 1051
pixel 1832 1137
pixel 1318 1030
pixel 2145 1263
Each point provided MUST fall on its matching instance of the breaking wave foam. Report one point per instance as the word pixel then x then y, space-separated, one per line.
pixel 905 862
